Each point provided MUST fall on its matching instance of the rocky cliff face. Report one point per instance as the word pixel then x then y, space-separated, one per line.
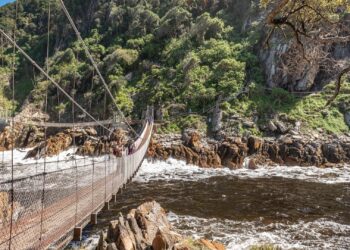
pixel 288 65
pixel 147 227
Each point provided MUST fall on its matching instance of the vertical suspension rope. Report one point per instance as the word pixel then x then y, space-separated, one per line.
pixel 45 128
pixel 92 184
pixel 13 124
pixel 93 158
pixel 3 111
pixel 2 51
pixel 92 88
pixel 74 146
pixel 105 142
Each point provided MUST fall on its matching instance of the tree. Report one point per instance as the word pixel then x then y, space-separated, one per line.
pixel 314 25
pixel 174 22
pixel 207 27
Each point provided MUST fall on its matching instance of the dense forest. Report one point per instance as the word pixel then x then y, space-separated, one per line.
pixel 183 57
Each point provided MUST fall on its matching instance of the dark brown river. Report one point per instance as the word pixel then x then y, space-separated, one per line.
pixel 294 208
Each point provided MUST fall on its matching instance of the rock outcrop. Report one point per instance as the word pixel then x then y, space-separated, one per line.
pixel 147 227
pixel 188 148
pixel 21 134
pixel 86 140
pixel 230 152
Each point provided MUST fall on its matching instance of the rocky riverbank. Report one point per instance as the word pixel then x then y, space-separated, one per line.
pixel 147 227
pixel 290 150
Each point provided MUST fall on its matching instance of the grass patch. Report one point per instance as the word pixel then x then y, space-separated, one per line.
pixel 311 110
pixel 178 124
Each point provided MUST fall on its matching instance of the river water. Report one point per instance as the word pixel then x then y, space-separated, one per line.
pixel 290 207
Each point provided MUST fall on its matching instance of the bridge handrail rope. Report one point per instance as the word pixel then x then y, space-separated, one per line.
pixel 86 49
pixel 72 194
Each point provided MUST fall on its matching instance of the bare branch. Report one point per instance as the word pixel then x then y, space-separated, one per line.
pixel 338 84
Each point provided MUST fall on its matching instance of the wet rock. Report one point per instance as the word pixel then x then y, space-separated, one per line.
pixel 252 165
pixel 201 244
pixel 147 227
pixel 21 134
pixel 102 243
pixel 7 138
pixel 192 139
pixel 231 152
pixel 119 137
pixel 142 228
pixel 160 242
pixel 212 245
pixel 254 145
pixel 53 146
pixel 189 150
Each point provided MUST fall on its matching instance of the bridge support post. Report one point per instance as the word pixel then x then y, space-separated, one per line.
pixel 114 198
pixel 93 220
pixel 106 207
pixel 77 234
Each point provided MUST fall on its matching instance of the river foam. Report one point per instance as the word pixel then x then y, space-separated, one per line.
pixel 29 167
pixel 178 170
pixel 318 234
pixel 298 224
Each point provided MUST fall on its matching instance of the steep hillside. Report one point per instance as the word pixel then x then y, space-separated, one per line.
pixel 181 56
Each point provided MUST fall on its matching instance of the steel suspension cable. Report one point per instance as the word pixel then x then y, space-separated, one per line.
pixel 50 78
pixel 86 49
pixel 13 124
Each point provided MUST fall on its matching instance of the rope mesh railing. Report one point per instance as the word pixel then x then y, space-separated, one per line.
pixel 46 215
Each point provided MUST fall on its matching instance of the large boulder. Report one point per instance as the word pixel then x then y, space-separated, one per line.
pixel 254 145
pixel 332 152
pixel 147 227
pixel 232 153
pixel 192 139
pixel 140 229
pixel 53 146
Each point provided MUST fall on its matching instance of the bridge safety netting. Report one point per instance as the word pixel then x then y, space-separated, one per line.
pixel 40 210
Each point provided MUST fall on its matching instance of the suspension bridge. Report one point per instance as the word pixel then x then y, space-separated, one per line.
pixel 45 204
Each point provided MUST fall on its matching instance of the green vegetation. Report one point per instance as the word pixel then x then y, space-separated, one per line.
pixel 175 125
pixel 310 109
pixel 164 53
pixel 150 52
